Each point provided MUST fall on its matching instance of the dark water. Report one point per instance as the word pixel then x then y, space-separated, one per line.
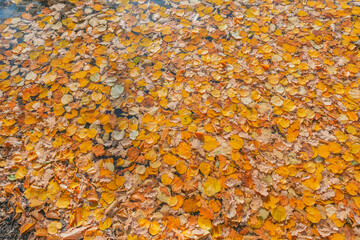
pixel 10 10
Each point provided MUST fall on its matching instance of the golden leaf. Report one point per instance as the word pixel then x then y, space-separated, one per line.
pixel 352 188
pixel 3 75
pixel 170 159
pixel 337 236
pixel 324 151
pixel 105 224
pixel 26 227
pixel 210 143
pixel 279 213
pixel 108 197
pixel 236 142
pixel 204 223
pixel 313 214
pixel 357 201
pixel 54 227
pixel 145 42
pixel 184 150
pixel 205 168
pixel 288 105
pixel 212 186
pixel 166 179
pixel 154 228
pixel 21 172
pixel 181 167
pixel 63 202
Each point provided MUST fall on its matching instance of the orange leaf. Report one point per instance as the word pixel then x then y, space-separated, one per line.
pixel 26 227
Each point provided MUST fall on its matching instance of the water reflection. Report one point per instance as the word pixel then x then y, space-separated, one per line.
pixel 11 10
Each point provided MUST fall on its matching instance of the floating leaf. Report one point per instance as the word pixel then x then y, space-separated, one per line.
pixel 116 91
pixel 108 37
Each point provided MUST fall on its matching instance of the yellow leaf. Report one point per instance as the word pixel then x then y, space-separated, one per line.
pixel 49 78
pixel 209 128
pixel 204 223
pixel 270 202
pixel 108 37
pixel 3 75
pixel 352 68
pixel 172 201
pixel 105 224
pixel 181 167
pixel 170 159
pixel 16 1
pixel 21 172
pixel 166 179
pixel 282 122
pixel 63 43
pixel 184 150
pixel 313 214
pixel 210 143
pixel 324 151
pixel 337 236
pixel 204 168
pixel 279 213
pixel 289 48
pixel 145 42
pixel 26 227
pixel 352 188
pixel 357 201
pixel 218 18
pixel 236 142
pixel 154 228
pixel 302 13
pixel 212 186
pixel 342 137
pixel 67 21
pixel 54 227
pixel 337 222
pixel 29 119
pixel 108 197
pixel 255 222
pixel 334 147
pixel 58 110
pixel 186 119
pixel 63 202
pixel 85 147
pixel 288 105
pixel 34 54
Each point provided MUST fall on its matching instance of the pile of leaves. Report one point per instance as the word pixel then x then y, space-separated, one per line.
pixel 213 119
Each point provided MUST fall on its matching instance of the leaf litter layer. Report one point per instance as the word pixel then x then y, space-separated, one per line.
pixel 189 120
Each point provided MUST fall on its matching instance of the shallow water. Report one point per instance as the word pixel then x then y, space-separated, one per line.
pixel 217 117
pixel 11 10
